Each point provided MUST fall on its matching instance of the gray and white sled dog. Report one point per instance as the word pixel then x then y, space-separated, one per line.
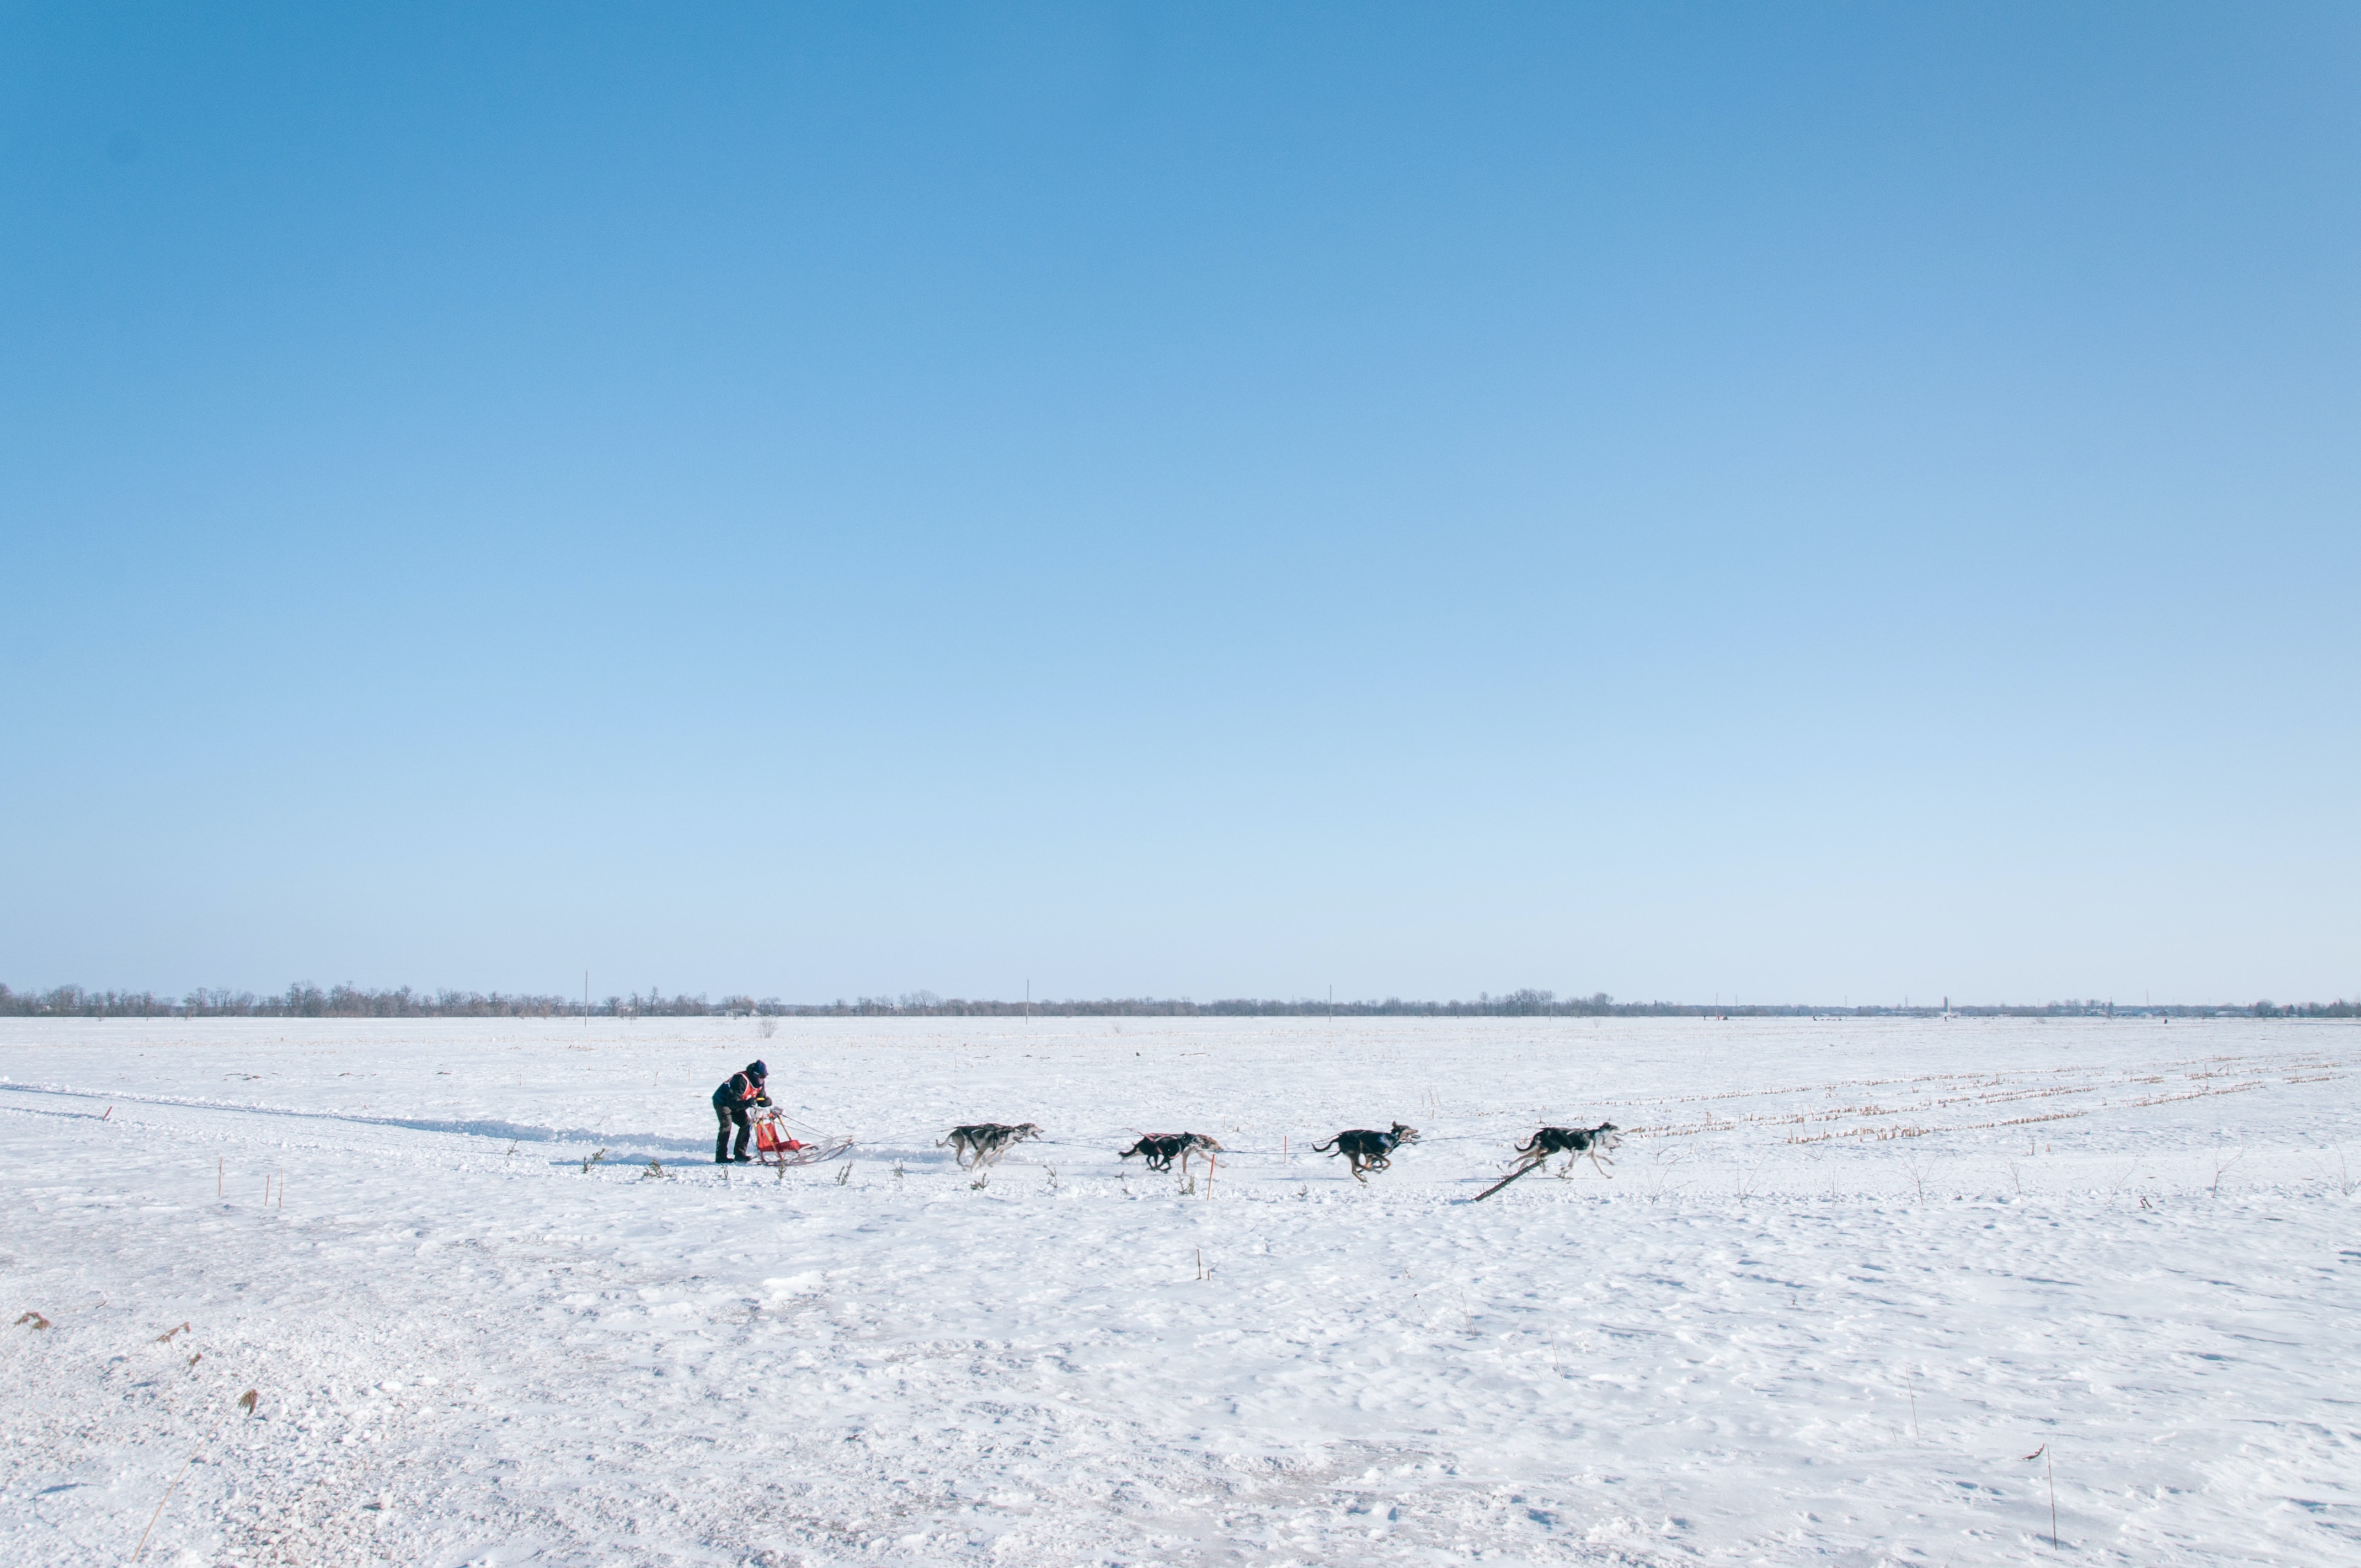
pixel 1575 1143
pixel 979 1143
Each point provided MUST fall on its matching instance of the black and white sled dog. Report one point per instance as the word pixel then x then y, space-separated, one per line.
pixel 1161 1149
pixel 1596 1142
pixel 979 1143
pixel 1365 1150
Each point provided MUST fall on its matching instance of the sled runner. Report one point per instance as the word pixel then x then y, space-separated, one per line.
pixel 774 1145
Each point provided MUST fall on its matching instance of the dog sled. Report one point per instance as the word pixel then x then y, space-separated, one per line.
pixel 777 1146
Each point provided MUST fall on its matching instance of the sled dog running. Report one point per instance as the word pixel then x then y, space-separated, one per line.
pixel 979 1143
pixel 1365 1150
pixel 1575 1143
pixel 1161 1149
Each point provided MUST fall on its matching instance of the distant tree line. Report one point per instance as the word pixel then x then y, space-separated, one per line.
pixel 301 999
pixel 304 1000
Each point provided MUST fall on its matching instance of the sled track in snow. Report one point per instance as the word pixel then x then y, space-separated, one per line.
pixel 512 1132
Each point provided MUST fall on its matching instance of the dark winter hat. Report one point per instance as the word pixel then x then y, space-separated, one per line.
pixel 756 1069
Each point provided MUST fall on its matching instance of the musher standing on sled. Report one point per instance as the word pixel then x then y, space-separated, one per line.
pixel 729 1102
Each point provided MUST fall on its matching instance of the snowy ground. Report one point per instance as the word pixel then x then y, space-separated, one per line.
pixel 1847 1277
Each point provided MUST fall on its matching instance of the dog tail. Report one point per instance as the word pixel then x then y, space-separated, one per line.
pixel 1529 1144
pixel 1328 1147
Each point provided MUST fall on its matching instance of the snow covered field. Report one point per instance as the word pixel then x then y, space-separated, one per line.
pixel 1847 1275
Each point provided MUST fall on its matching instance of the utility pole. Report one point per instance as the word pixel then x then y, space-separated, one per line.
pixel 585 1002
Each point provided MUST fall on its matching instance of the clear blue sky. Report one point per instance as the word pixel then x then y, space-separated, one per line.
pixel 1793 502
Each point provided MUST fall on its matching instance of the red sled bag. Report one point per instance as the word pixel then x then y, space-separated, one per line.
pixel 776 1146
pixel 770 1137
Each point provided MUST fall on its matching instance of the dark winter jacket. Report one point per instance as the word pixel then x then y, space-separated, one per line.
pixel 741 1091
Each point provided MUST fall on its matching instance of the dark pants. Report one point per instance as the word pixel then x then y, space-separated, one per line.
pixel 727 1115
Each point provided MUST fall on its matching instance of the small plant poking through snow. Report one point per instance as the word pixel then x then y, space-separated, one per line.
pixel 2050 1468
pixel 245 1402
pixel 655 1172
pixel 35 1318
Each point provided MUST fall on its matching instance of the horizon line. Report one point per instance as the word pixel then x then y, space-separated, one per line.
pixel 345 1001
